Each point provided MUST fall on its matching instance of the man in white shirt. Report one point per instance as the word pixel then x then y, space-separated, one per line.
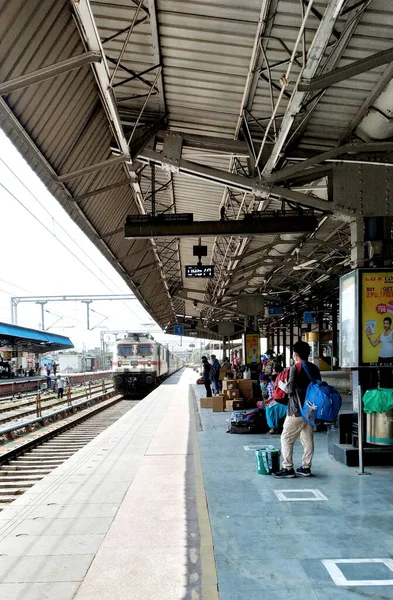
pixel 60 387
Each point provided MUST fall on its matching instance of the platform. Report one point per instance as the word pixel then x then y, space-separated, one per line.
pixel 126 517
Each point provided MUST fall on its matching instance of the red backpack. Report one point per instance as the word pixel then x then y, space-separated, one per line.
pixel 283 376
pixel 277 393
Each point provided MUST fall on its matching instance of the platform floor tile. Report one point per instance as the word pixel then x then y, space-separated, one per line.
pixel 268 549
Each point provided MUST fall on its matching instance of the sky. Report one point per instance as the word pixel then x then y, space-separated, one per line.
pixel 44 253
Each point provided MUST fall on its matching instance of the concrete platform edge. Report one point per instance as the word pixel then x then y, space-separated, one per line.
pixel 208 564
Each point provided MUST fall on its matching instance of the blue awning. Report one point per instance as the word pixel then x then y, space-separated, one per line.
pixel 32 340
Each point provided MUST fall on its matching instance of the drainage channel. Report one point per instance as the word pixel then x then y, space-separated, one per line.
pixel 21 473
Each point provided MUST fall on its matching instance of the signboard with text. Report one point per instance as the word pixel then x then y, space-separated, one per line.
pixel 275 310
pixel 376 315
pixel 366 318
pixel 201 272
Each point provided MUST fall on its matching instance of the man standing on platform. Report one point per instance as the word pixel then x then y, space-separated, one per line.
pixel 206 376
pixel 215 374
pixel 294 425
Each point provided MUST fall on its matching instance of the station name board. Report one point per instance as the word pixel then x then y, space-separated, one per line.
pixel 199 272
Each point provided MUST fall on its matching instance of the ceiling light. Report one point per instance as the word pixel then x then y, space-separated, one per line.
pixel 305 264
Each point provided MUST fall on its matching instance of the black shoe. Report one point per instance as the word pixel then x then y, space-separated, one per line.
pixel 284 474
pixel 304 471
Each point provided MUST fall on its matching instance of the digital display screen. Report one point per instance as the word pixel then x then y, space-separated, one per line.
pixel 200 272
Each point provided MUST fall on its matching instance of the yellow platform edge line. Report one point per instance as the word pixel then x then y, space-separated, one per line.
pixel 206 551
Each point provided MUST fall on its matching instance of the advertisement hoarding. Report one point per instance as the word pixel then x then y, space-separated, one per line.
pixel 376 317
pixel 251 348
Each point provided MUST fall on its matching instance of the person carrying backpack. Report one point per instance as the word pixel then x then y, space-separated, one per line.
pixel 294 425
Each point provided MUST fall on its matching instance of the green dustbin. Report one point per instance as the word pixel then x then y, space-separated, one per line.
pixel 268 460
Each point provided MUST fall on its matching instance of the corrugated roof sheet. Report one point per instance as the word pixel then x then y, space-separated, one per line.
pixel 209 76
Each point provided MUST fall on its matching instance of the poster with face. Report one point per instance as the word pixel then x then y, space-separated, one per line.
pixel 252 348
pixel 376 318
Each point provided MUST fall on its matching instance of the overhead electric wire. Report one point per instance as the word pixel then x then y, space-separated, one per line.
pixel 62 243
pixel 62 228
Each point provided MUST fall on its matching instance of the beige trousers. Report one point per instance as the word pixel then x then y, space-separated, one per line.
pixel 293 427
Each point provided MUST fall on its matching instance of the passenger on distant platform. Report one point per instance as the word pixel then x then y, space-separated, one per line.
pixel 206 376
pixel 60 387
pixel 48 379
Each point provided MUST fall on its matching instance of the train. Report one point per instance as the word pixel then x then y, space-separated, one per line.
pixel 140 364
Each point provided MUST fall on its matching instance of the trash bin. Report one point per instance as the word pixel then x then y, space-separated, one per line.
pixel 267 460
pixel 380 429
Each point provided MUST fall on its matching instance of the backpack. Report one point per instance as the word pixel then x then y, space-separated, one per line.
pixel 322 403
pixel 247 421
pixel 279 394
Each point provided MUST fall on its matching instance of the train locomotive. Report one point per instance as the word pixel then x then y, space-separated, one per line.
pixel 140 364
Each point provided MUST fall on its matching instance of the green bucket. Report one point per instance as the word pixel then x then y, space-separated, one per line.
pixel 268 460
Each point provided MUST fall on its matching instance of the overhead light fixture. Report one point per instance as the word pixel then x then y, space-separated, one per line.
pixel 322 278
pixel 305 265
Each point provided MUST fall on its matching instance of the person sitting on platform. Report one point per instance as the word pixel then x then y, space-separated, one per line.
pixel 275 412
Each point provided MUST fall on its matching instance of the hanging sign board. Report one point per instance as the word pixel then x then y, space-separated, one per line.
pixel 275 310
pixel 308 317
pixel 199 272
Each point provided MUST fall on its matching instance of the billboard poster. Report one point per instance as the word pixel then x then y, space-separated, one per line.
pixel 251 347
pixel 377 318
pixel 348 321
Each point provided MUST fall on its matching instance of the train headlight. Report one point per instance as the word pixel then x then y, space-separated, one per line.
pixel 119 363
pixel 149 379
pixel 149 363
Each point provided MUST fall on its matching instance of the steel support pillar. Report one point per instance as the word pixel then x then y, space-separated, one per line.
pixel 291 342
pixel 284 347
pixel 278 340
pixel 42 303
pixel 334 332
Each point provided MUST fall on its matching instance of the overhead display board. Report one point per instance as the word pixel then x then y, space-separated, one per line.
pixel 203 271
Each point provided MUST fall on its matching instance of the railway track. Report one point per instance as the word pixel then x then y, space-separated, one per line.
pixel 29 463
pixel 15 412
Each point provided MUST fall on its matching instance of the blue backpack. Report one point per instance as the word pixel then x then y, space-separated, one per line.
pixel 322 403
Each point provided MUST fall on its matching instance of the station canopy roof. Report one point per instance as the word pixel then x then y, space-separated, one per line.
pixel 32 340
pixel 196 106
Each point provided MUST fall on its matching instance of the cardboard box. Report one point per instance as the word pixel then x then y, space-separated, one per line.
pixel 223 373
pixel 233 394
pixel 237 404
pixel 206 402
pixel 229 384
pixel 246 384
pixel 247 394
pixel 218 404
pixel 229 405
